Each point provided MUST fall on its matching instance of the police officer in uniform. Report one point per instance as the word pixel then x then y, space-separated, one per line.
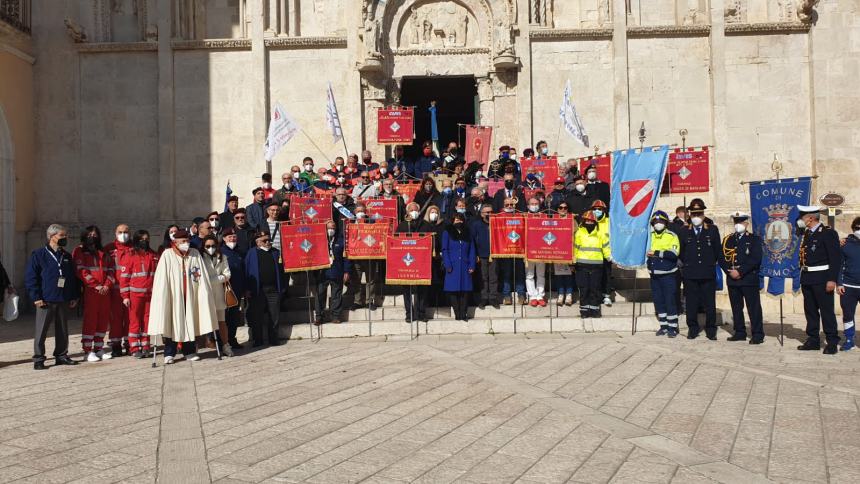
pixel 663 267
pixel 820 261
pixel 741 261
pixel 700 253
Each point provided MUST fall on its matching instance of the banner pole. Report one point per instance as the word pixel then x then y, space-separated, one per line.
pixel 308 298
pixel 516 294
pixel 781 329
pixel 315 146
pixel 633 315
pixel 411 315
pixel 367 295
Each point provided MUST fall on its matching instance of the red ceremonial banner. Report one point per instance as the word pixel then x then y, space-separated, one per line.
pixel 366 241
pixel 549 239
pixel 409 259
pixel 689 171
pixel 530 192
pixel 546 169
pixel 604 166
pixel 304 247
pixel 493 186
pixel 478 139
pixel 380 208
pixel 310 209
pixel 408 189
pixel 319 192
pixel 395 126
pixel 507 236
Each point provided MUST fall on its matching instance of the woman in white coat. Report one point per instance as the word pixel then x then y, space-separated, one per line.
pixel 219 275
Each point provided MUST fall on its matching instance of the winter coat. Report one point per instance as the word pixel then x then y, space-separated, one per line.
pixel 458 257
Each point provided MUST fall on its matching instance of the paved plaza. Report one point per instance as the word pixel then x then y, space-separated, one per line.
pixel 563 407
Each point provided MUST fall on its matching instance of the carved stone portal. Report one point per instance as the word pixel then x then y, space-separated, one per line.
pixel 736 11
pixel 438 25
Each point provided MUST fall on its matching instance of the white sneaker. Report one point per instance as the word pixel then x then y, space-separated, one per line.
pixel 194 357
pixel 91 357
pixel 568 299
pixel 105 356
pixel 607 301
pixel 168 360
pixel 560 301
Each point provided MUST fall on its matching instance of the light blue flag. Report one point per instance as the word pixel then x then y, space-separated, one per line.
pixel 636 179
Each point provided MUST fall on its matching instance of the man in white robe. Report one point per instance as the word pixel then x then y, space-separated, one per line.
pixel 183 303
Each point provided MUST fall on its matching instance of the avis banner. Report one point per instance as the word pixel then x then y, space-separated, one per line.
pixel 507 236
pixel 366 240
pixel 549 239
pixel 310 209
pixel 395 126
pixel 409 259
pixel 546 169
pixel 304 247
pixel 382 208
pixel 478 142
pixel 688 172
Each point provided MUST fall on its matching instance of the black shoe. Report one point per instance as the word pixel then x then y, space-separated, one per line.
pixel 693 333
pixel 356 307
pixel 809 346
pixel 496 305
pixel 64 360
pixel 756 341
pixel 39 365
pixel 830 349
pixel 116 352
pixel 317 322
pixel 737 337
pixel 712 337
pixel 372 306
pixel 257 345
pixel 137 354
pixel 235 344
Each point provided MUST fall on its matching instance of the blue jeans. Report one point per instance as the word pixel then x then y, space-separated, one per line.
pixel 664 291
pixel 565 284
pixel 508 268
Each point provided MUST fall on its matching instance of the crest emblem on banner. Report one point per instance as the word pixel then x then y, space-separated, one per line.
pixel 369 241
pixel 637 195
pixel 513 236
pixel 306 245
pixel 408 259
pixel 778 232
pixel 311 212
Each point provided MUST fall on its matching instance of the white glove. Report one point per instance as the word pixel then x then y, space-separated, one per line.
pixel 221 278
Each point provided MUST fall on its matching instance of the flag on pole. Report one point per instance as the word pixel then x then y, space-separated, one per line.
pixel 332 118
pixel 570 119
pixel 282 128
pixel 227 195
pixel 434 128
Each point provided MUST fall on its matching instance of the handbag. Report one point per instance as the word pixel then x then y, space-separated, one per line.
pixel 10 307
pixel 229 296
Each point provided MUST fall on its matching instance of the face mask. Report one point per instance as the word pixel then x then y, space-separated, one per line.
pixel 598 213
pixel 659 227
pixel 287 185
pixel 214 224
pixel 143 244
pixel 265 248
pixel 296 175
pixel 330 232
pixel 801 223
pixel 479 174
pixel 172 236
pixel 589 227
pixel 544 151
pixel 231 245
pixel 414 214
pixel 485 217
pixel 366 161
pixel 509 210
pixel 388 189
pixel 383 171
pixel 505 156
pixel 461 210
pixel 447 191
pixel 62 242
pixel 267 185
pixel 509 184
pixel 460 190
pixel 210 250
pixel 458 225
pixel 360 214
pixel 340 179
pixel 433 217
pixel 427 152
pixel 92 240
pixel 338 167
pixel 183 247
pixel 857 234
pixel 580 188
pixel 740 228
pixel 592 175
pixel 533 208
pixel 122 237
pixel 697 221
pixel 309 168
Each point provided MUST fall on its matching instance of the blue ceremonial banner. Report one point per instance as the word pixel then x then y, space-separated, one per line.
pixel 636 179
pixel 773 206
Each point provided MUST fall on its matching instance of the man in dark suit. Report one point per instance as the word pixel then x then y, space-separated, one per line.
pixel 511 190
pixel 334 277
pixel 700 253
pixel 741 261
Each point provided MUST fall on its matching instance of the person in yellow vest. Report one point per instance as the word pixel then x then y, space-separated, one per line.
pixel 601 214
pixel 663 266
pixel 591 250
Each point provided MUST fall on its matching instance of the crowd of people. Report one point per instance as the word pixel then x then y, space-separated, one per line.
pixel 190 286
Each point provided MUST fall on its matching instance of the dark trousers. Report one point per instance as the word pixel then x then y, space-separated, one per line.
pixel 416 306
pixel 58 314
pixel 335 303
pixel 679 292
pixel 188 347
pixel 664 292
pixel 234 320
pixel 701 293
pixel 738 295
pixel 460 303
pixel 371 290
pixel 589 280
pixel 849 301
pixel 512 271
pixel 606 285
pixel 818 307
pixel 487 276
pixel 265 311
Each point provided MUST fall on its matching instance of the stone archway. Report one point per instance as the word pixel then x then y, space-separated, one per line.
pixel 7 197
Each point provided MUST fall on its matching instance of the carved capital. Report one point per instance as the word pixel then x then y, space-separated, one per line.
pixel 373 87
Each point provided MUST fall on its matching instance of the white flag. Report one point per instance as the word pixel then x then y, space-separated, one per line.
pixel 332 118
pixel 282 128
pixel 572 123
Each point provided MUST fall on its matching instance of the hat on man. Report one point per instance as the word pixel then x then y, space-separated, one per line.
pixel 740 217
pixel 198 220
pixel 504 148
pixel 559 181
pixel 807 209
pixel 258 189
pixel 273 204
pixel 181 234
pixel 598 204
pixel 233 198
pixel 228 231
pixel 660 216
pixel 590 167
pixel 697 205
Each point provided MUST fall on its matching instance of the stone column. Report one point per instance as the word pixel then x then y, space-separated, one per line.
pixel 373 96
pixel 259 80
pixel 294 18
pixel 727 178
pixel 621 98
pixel 166 115
pixel 282 22
pixel 486 101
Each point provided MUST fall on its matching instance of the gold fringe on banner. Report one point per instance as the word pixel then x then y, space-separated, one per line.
pixel 303 269
pixel 376 257
pixel 507 256
pixel 552 261
pixel 409 282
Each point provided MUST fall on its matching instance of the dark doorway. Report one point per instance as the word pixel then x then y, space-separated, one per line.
pixel 455 104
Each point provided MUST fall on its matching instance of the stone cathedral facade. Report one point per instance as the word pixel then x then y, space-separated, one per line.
pixel 142 110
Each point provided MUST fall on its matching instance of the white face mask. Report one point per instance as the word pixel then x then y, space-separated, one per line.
pixel 433 216
pixel 309 168
pixel 544 151
pixel 265 248
pixel 659 226
pixel 592 175
pixel 388 189
pixel 580 188
pixel 214 223
pixel 801 223
pixel 740 228
pixel 361 214
pixel 383 170
pixel 210 250
pixel 534 208
pixel 857 234
pixel 267 185
pixel 122 238
pixel 330 232
pixel 414 214
pixel 479 174
pixel 697 221
pixel 509 210
pixel 231 245
pixel 172 236
pixel 183 247
pixel 295 175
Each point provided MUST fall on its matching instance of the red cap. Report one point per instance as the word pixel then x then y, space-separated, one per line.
pixel 559 180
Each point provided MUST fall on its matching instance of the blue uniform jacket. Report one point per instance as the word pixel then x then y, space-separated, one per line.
pixel 820 247
pixel 850 270
pixel 237 268
pixel 252 270
pixel 458 257
pixel 255 215
pixel 481 237
pixel 700 254
pixel 43 274
pixel 339 264
pixel 747 258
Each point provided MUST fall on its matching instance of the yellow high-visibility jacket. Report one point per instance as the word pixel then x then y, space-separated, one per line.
pixel 591 248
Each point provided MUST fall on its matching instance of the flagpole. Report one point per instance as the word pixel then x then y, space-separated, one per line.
pixel 337 115
pixel 315 146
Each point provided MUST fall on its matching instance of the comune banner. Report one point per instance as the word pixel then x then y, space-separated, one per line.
pixel 546 169
pixel 366 240
pixel 381 208
pixel 310 209
pixel 549 239
pixel 409 259
pixel 507 236
pixel 304 247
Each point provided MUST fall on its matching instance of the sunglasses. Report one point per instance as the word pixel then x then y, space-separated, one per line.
pixel 239 218
pixel 265 241
pixel 213 219
pixel 562 208
pixel 208 246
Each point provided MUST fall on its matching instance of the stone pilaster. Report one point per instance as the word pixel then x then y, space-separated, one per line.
pixel 166 115
pixel 621 96
pixel 721 199
pixel 259 77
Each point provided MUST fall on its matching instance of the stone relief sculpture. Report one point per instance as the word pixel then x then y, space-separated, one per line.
pixel 603 14
pixel 785 10
pixel 805 10
pixel 436 25
pixel 372 38
pixel 415 28
pixel 151 33
pixel 735 11
pixel 504 39
pixel 75 31
pixel 694 15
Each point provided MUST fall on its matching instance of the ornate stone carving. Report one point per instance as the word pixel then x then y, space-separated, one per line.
pixel 151 34
pixel 373 87
pixel 394 90
pixel 504 82
pixel 785 10
pixel 806 10
pixel 75 31
pixel 693 15
pixel 438 25
pixel 212 44
pixel 306 42
pixel 669 31
pixel 118 47
pixel 767 28
pixel 505 56
pixel 485 89
pixel 604 15
pixel 542 13
pixel 736 11
pixel 449 51
pixel 568 34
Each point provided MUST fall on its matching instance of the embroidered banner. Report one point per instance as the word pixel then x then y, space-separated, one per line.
pixel 532 192
pixel 304 247
pixel 688 172
pixel 321 193
pixel 546 169
pixel 395 126
pixel 310 209
pixel 493 186
pixel 507 236
pixel 549 239
pixel 366 240
pixel 408 189
pixel 478 139
pixel 604 166
pixel 381 208
pixel 409 259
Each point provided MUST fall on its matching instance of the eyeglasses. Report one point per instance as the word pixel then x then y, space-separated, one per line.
pixel 264 241
pixel 208 246
pixel 213 219
pixel 239 218
pixel 510 206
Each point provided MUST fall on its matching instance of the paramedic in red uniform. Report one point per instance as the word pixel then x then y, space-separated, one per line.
pixel 136 274
pixel 95 269
pixel 119 313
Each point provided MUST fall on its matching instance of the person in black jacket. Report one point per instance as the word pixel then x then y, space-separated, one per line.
pixel 413 223
pixel 511 190
pixel 700 253
pixel 678 224
pixel 427 195
pixel 486 274
pixel 579 200
pixel 597 189
pixel 741 261
pixel 820 262
pixel 236 262
pixel 335 277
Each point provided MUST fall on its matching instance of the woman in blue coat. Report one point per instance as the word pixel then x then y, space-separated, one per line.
pixel 458 256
